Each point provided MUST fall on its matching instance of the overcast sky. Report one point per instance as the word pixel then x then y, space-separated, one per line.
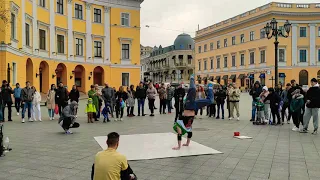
pixel 169 18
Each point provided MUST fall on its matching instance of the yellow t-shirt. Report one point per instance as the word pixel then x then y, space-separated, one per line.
pixel 108 165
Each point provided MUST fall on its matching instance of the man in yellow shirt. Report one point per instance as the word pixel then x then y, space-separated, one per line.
pixel 111 165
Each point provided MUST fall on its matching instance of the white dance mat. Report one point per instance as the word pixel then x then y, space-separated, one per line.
pixel 243 137
pixel 155 146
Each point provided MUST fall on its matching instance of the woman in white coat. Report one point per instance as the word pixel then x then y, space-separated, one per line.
pixel 36 105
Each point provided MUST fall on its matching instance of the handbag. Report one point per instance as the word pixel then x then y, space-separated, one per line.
pixel 56 109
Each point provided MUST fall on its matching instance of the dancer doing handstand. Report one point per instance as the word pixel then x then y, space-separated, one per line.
pixel 184 124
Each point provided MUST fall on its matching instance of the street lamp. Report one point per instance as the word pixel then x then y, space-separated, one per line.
pixel 273 25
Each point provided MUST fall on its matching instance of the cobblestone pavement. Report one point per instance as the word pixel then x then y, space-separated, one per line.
pixel 42 151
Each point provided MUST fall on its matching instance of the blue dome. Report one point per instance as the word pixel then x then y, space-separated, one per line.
pixel 184 42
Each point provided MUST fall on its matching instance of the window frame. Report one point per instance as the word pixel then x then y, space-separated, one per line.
pixel 205 48
pixel 79 46
pixel 125 18
pixel 13 26
pixel 27 31
pixel 305 31
pixel 60 7
pixel 306 55
pixel 44 46
pixel 242 38
pixel 211 46
pixel 233 40
pixel 97 17
pixel 218 44
pixel 264 56
pixel 78 12
pixel 225 62
pixel 199 65
pixel 218 63
pixel 211 63
pixel 262 33
pixel 205 65
pixel 284 55
pixel 122 80
pixel 233 60
pixel 125 51
pixel 319 55
pixel 252 61
pixel 97 49
pixel 225 42
pixel 318 31
pixel 251 35
pixel 242 59
pixel 199 49
pixel 60 44
pixel 42 3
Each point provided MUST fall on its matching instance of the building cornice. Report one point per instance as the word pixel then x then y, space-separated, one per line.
pixel 129 4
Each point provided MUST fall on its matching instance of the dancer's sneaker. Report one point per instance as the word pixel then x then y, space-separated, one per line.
pixel 295 128
pixel 238 119
pixel 69 132
pixel 18 114
pixel 23 120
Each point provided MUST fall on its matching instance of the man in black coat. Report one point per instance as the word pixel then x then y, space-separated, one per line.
pixel 6 92
pixel 255 92
pixel 141 95
pixel 179 94
pixel 61 97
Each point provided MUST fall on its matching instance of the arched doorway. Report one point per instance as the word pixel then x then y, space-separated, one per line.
pixel 29 71
pixel 98 75
pixel 318 76
pixel 43 76
pixel 303 77
pixel 61 74
pixel 79 78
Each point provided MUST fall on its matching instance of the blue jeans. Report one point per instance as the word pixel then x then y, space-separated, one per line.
pixel 141 106
pixel 1 115
pixel 253 115
pixel 25 106
pixel 51 113
pixel 222 109
pixel 169 105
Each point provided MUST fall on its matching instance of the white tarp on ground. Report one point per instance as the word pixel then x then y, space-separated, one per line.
pixel 155 146
pixel 243 137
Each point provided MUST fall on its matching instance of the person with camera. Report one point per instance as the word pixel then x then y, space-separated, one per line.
pixel 6 92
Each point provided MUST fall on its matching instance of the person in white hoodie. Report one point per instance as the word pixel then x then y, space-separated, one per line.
pixel 36 105
pixel 264 95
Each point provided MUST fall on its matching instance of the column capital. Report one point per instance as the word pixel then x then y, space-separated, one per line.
pixel 69 1
pixel 294 25
pixel 107 9
pixel 88 5
pixel 312 24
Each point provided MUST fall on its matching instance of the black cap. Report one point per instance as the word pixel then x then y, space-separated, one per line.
pixel 314 80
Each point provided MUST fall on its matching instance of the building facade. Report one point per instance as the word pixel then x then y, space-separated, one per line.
pixel 171 64
pixel 80 42
pixel 145 52
pixel 237 49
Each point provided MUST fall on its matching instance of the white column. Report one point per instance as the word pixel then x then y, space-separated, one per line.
pixel 107 34
pixel 312 56
pixel 35 33
pixel 52 29
pixel 23 22
pixel 89 32
pixel 294 44
pixel 70 33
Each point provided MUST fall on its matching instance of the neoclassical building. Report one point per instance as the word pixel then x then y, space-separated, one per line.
pixel 171 64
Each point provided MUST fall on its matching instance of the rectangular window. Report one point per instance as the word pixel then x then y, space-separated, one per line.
pixel 13 26
pixel 78 11
pixel 125 51
pixel 97 49
pixel 211 62
pixel 319 55
pixel 27 34
pixel 211 46
pixel 233 40
pixel 233 61
pixel 282 56
pixel 319 31
pixel 303 31
pixel 42 39
pixel 14 73
pixel 205 48
pixel 79 47
pixel 125 79
pixel 199 49
pixel 242 38
pixel 242 60
pixel 262 33
pixel 125 17
pixel 303 55
pixel 60 43
pixel 251 57
pixel 218 44
pixel 262 56
pixel 205 65
pixel 42 3
pixel 199 65
pixel 225 42
pixel 60 6
pixel 251 35
pixel 225 62
pixel 218 63
pixel 97 15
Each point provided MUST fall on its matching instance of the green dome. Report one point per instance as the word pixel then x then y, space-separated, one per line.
pixel 183 42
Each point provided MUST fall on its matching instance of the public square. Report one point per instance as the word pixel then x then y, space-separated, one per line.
pixel 42 151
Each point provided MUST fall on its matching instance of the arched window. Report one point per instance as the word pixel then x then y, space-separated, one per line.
pixel 303 77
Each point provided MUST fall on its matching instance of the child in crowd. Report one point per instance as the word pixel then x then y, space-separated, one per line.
pixel 106 111
pixel 260 112
pixel 90 110
pixel 275 102
pixel 296 105
pixel 264 94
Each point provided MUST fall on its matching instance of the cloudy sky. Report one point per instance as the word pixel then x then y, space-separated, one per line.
pixel 168 18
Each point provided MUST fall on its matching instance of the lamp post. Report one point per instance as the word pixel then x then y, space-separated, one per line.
pixel 273 25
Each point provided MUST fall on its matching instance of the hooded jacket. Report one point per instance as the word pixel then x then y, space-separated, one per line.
pixel 255 91
pixel 69 112
pixel 313 95
pixel 297 102
pixel 107 94
pixel 141 92
pixel 274 100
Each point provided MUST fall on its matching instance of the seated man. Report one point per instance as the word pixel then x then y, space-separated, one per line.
pixel 111 165
pixel 184 124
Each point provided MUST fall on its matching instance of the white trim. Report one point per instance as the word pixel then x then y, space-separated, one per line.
pixel 97 36
pixel 79 34
pixel 88 50
pixel 23 24
pixel 40 23
pixel 60 29
pixel 118 4
pixel 14 73
pixel 129 19
pixel 128 78
pixel 35 30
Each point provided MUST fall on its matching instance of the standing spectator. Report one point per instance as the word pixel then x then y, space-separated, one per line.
pixel 95 99
pixel 263 96
pixel 61 97
pixel 297 102
pixel 1 115
pixel 130 101
pixel 163 99
pixel 26 98
pixel 151 94
pixel 36 105
pixel 286 104
pixel 228 101
pixel 6 91
pixel 255 92
pixel 179 94
pixel 99 94
pixel 221 95
pixel 74 94
pixel 234 98
pixel 17 97
pixel 141 95
pixel 170 94
pixel 200 95
pixel 51 101
pixel 274 99
pixel 108 96
pixel 121 96
pixel 313 104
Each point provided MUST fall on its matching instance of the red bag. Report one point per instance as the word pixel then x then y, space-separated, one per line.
pixel 56 109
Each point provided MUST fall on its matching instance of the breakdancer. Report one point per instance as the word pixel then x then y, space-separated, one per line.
pixel 184 124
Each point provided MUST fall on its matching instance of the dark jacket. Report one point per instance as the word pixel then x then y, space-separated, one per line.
pixel 107 94
pixel 121 95
pixel 179 93
pixel 255 92
pixel 61 95
pixel 291 90
pixel 6 93
pixel 221 96
pixel 141 93
pixel 27 94
pixel 74 95
pixel 274 99
pixel 313 95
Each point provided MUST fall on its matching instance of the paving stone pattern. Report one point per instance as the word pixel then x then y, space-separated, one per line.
pixel 42 151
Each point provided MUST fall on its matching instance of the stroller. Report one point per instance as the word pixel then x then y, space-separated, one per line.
pixel 259 113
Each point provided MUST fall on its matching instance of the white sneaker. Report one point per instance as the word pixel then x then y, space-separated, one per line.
pixel 121 119
pixel 40 120
pixel 52 118
pixel 295 128
pixel 115 119
pixel 30 120
pixel 23 120
pixel 18 114
pixel 35 120
pixel 230 118
pixel 238 119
